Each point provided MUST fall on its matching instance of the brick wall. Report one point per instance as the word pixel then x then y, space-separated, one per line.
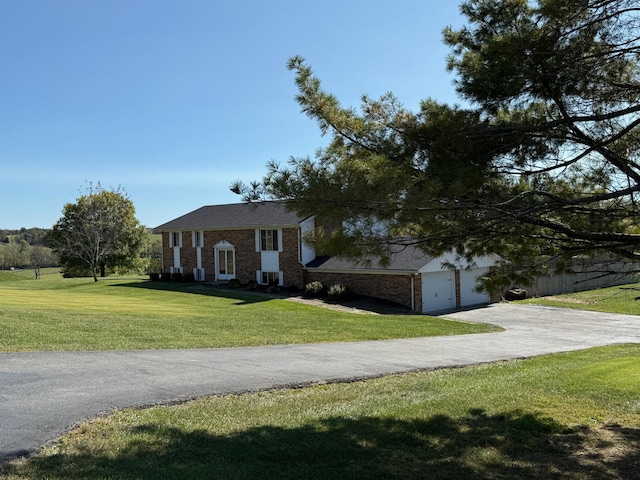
pixel 167 253
pixel 247 259
pixel 292 271
pixel 395 288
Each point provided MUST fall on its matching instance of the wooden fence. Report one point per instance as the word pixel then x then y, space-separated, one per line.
pixel 586 277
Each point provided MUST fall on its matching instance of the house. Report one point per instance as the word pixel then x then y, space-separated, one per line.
pixel 263 242
pixel 259 242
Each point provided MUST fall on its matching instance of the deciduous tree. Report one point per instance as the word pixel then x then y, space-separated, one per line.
pixel 100 230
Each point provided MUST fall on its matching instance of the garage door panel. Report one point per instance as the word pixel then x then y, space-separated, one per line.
pixel 438 291
pixel 468 280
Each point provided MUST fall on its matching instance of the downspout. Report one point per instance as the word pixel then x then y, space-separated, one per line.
pixel 413 294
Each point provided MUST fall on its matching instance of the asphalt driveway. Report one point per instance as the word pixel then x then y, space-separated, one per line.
pixel 43 394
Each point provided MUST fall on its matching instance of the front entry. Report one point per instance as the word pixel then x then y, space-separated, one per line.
pixel 225 259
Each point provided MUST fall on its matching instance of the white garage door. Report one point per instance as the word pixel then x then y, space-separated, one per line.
pixel 468 295
pixel 438 291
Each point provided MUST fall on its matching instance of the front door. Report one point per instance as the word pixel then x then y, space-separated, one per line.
pixel 225 256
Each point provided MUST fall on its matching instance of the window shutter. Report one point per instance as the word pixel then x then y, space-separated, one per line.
pixel 279 234
pixel 257 240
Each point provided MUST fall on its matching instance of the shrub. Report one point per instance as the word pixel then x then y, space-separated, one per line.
pixel 234 283
pixel 176 277
pixel 252 285
pixel 154 277
pixel 315 289
pixel 165 276
pixel 188 277
pixel 339 292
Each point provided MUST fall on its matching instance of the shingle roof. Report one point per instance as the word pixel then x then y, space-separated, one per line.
pixel 403 259
pixel 235 215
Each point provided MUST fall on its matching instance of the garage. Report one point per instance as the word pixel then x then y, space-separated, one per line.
pixel 468 295
pixel 438 291
pixel 449 282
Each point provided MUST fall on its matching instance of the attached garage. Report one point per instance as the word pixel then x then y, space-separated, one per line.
pixel 447 289
pixel 411 278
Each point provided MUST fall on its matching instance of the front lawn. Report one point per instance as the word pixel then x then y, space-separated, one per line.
pixel 618 299
pixel 122 314
pixel 573 416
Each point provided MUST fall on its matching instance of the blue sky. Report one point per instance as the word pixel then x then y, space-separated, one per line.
pixel 173 100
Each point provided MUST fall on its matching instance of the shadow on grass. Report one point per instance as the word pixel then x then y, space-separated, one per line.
pixel 244 298
pixel 513 446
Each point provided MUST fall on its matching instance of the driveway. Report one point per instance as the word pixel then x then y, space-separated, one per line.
pixel 43 394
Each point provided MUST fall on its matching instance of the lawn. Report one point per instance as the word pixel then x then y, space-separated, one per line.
pixel 121 314
pixel 573 416
pixel 618 299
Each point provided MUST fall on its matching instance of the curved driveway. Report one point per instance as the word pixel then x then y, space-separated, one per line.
pixel 43 394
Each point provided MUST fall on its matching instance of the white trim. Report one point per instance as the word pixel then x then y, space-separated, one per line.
pixel 227 247
pixel 367 271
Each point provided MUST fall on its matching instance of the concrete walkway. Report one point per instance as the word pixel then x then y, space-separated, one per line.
pixel 43 394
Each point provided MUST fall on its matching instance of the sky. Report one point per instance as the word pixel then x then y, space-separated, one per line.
pixel 174 100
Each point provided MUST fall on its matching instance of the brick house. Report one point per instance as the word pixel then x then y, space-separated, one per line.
pixel 259 242
pixel 263 242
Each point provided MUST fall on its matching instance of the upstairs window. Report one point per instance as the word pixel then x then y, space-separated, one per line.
pixel 175 239
pixel 197 238
pixel 269 240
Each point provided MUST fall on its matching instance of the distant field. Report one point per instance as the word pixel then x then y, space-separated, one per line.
pixel 121 314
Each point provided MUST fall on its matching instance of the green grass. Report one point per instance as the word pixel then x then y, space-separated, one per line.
pixel 122 314
pixel 567 416
pixel 619 299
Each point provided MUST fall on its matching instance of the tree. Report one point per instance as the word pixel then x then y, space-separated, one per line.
pixel 40 257
pixel 100 230
pixel 543 167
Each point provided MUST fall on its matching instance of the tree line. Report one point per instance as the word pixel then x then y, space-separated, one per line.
pixel 33 236
pixel 26 248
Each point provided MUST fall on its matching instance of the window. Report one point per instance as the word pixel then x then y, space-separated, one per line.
pixel 270 278
pixel 198 273
pixel 197 238
pixel 269 240
pixel 176 239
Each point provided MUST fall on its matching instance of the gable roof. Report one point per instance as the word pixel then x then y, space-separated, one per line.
pixel 235 215
pixel 405 259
